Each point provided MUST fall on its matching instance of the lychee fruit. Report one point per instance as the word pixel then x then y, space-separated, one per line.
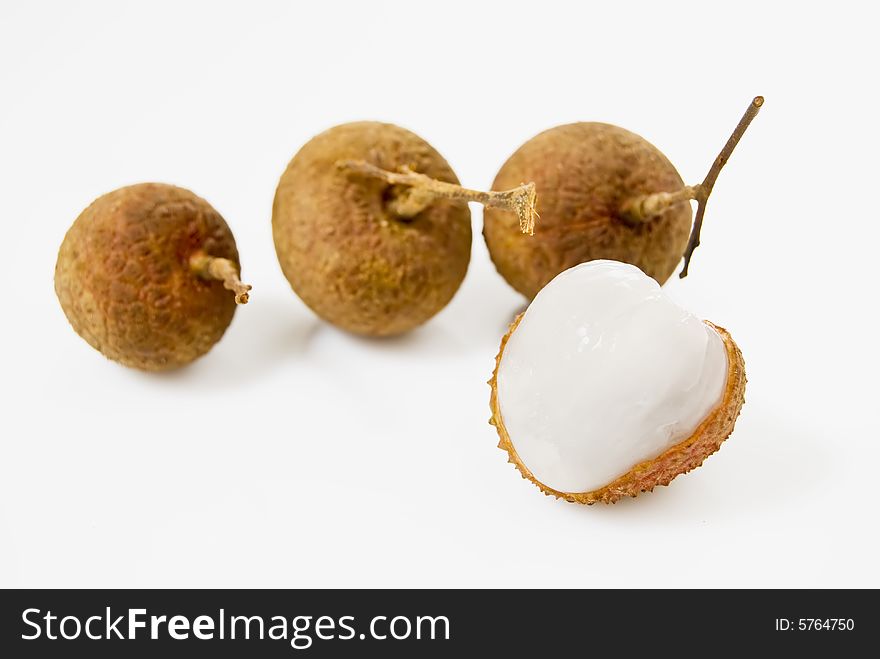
pixel 605 388
pixel 605 193
pixel 372 230
pixel 149 276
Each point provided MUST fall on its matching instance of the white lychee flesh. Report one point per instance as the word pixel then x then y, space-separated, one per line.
pixel 605 371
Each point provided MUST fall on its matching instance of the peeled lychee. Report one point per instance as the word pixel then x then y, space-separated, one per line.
pixel 148 275
pixel 605 388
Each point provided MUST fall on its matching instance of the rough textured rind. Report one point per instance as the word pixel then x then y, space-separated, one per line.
pixel 125 283
pixel 584 172
pixel 645 476
pixel 351 260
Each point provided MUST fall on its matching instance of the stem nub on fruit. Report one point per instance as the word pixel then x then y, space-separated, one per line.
pixel 421 190
pixel 210 267
pixel 646 207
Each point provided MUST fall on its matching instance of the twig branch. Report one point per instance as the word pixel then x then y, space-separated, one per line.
pixel 704 189
pixel 422 190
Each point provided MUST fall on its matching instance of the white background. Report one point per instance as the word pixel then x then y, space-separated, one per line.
pixel 296 455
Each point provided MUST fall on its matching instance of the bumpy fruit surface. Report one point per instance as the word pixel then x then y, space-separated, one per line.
pixel 346 254
pixel 126 281
pixel 584 174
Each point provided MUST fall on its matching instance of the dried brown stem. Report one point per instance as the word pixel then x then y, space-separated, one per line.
pixel 422 190
pixel 646 207
pixel 211 267
pixel 705 188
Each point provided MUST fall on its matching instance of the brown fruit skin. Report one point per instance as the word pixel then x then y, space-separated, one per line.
pixel 346 256
pixel 584 172
pixel 645 476
pixel 125 283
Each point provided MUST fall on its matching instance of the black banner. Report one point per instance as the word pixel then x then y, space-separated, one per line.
pixel 319 623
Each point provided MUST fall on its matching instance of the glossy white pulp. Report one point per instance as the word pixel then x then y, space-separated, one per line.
pixel 604 371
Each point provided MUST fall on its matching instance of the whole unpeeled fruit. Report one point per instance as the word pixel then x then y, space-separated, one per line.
pixel 583 173
pixel 346 253
pixel 142 276
pixel 604 388
pixel 372 230
pixel 605 193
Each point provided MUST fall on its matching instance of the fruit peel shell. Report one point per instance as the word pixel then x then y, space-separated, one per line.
pixel 644 476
